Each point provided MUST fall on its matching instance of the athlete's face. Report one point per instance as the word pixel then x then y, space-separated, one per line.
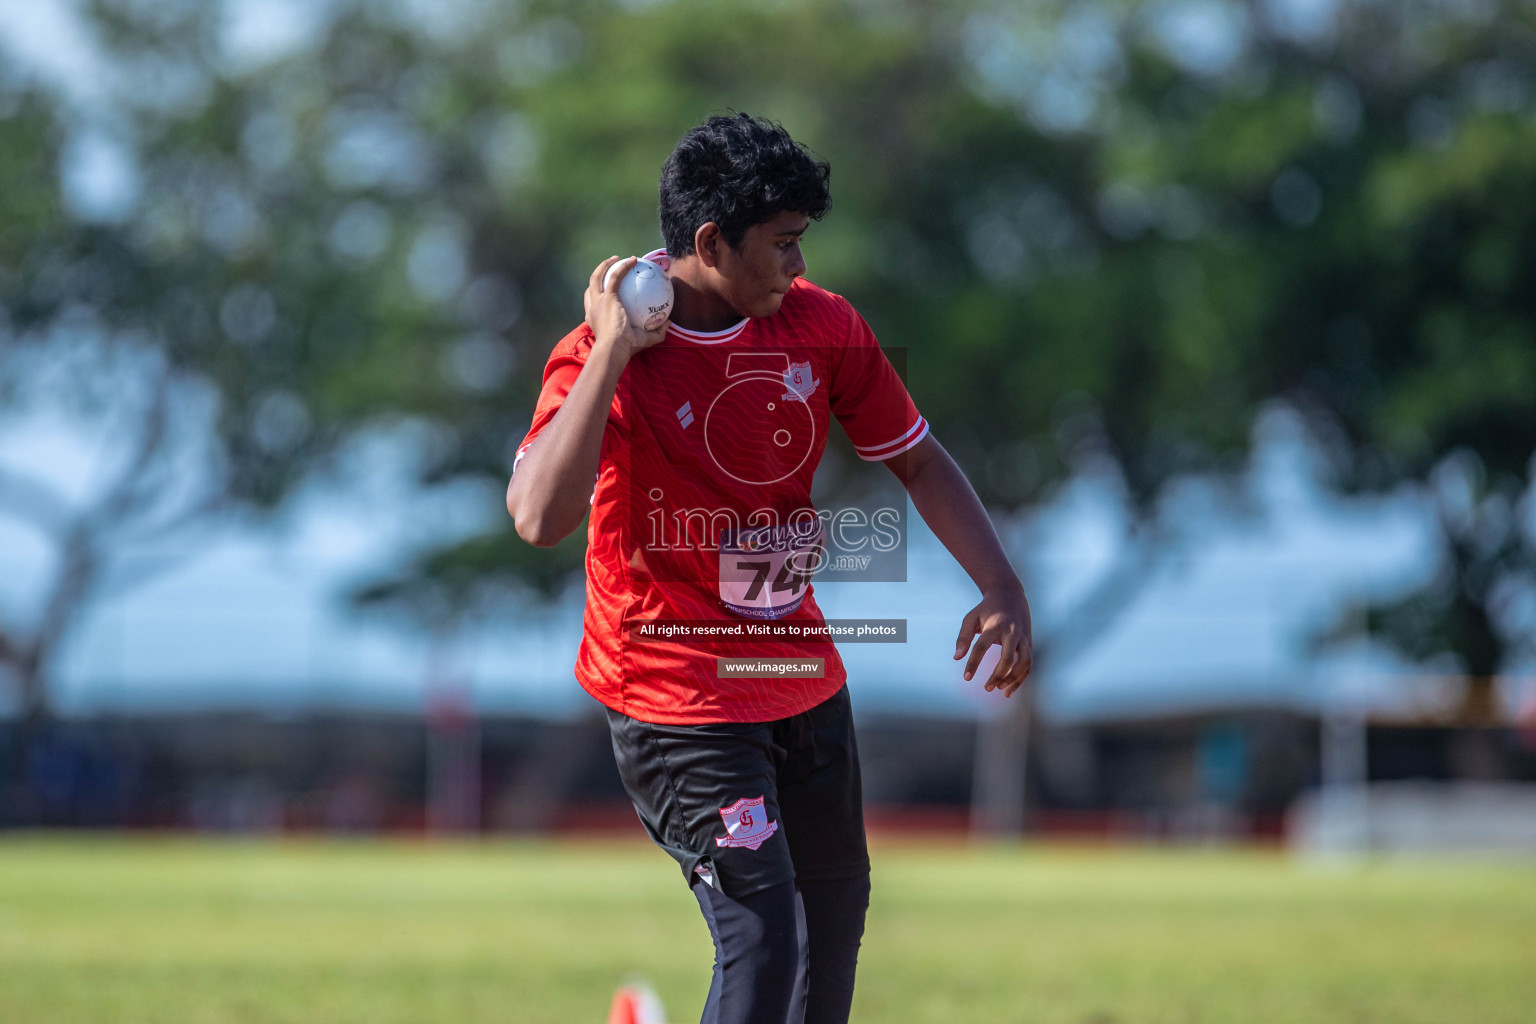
pixel 755 275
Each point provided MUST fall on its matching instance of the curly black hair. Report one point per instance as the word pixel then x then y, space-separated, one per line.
pixel 737 171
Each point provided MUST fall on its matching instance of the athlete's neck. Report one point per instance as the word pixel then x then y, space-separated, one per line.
pixel 695 305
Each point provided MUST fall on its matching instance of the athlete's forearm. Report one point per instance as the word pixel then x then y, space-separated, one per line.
pixel 552 487
pixel 949 505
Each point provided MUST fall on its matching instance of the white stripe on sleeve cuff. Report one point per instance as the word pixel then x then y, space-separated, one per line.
pixel 881 452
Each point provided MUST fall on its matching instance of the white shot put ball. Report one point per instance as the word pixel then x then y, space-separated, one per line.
pixel 645 292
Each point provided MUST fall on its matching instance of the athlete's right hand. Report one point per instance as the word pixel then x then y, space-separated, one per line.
pixel 606 316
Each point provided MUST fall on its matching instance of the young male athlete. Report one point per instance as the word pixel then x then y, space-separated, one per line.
pixel 703 437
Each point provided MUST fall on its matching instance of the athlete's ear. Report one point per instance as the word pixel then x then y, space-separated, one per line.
pixel 707 242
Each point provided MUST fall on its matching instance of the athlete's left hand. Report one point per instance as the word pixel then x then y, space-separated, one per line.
pixel 1001 618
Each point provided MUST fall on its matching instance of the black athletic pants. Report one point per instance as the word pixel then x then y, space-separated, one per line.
pixel 786 954
pixel 766 821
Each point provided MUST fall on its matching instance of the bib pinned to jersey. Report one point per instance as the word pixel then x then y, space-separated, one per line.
pixel 765 571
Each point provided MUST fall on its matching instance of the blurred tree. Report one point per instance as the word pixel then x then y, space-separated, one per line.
pixel 1365 249
pixel 212 266
pixel 1108 235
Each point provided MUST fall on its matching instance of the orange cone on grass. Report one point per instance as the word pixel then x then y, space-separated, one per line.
pixel 635 1003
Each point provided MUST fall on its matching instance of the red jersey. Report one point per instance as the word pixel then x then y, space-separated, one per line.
pixel 702 508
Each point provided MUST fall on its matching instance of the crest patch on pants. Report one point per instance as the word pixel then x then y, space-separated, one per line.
pixel 747 823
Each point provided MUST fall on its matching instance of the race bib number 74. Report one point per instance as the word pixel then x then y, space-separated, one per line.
pixel 764 572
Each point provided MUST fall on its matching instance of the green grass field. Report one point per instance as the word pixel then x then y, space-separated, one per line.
pixel 114 931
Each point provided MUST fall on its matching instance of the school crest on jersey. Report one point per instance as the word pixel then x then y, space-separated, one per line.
pixel 748 824
pixel 799 381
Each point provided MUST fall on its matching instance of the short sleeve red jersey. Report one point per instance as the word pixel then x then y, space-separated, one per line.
pixel 702 504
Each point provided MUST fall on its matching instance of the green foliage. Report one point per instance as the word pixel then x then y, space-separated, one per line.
pixel 478 572
pixel 401 223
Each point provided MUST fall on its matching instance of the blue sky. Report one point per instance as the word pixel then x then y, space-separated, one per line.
pixel 249 613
